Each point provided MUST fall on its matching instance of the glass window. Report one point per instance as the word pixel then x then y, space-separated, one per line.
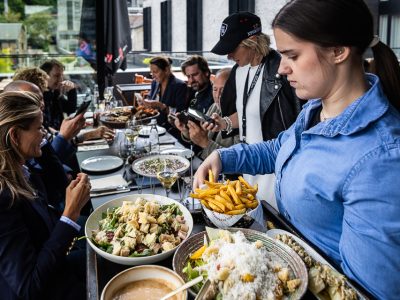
pixel 395 34
pixel 383 28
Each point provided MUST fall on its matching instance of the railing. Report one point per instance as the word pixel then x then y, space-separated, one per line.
pixel 136 61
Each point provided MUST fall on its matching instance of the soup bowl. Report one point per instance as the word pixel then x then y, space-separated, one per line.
pixel 156 274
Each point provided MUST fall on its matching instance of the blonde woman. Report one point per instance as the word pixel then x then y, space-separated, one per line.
pixel 34 238
pixel 256 99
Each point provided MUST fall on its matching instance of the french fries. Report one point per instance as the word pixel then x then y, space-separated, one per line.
pixel 231 198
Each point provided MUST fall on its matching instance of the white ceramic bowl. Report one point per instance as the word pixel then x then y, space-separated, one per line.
pixel 92 223
pixel 141 273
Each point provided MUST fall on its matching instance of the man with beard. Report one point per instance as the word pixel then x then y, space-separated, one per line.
pixel 198 74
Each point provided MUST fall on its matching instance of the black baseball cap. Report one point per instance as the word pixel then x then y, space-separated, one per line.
pixel 234 29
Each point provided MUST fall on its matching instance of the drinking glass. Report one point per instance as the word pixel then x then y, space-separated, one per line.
pixel 124 150
pixel 132 130
pixel 167 177
pixel 147 145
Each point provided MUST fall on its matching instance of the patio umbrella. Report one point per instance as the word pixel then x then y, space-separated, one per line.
pixel 106 24
pixel 117 37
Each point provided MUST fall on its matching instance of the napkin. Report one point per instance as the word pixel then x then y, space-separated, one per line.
pixel 93 142
pixel 109 185
pixel 95 146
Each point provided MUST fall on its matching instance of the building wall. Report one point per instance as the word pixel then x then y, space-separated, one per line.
pixel 214 12
pixel 155 23
pixel 178 26
pixel 137 38
pixel 267 10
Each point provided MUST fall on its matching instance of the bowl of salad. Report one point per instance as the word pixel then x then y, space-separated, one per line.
pixel 138 229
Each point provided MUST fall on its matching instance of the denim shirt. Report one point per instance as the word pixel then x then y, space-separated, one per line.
pixel 338 183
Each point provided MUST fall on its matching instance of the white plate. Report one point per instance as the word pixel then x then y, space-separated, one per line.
pixel 92 223
pixel 145 130
pixel 186 153
pixel 148 173
pixel 102 163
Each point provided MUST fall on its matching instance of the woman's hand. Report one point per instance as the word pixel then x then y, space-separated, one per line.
pixel 98 133
pixel 198 135
pixel 77 195
pixel 213 163
pixel 219 124
pixel 71 127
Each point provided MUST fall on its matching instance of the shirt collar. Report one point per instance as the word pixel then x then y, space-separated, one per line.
pixel 358 115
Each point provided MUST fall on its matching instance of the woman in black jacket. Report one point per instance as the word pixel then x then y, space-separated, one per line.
pixel 256 100
pixel 167 92
pixel 35 240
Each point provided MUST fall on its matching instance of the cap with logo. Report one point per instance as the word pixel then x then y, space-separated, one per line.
pixel 234 29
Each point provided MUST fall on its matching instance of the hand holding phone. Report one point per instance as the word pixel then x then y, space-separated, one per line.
pixel 83 108
pixel 199 116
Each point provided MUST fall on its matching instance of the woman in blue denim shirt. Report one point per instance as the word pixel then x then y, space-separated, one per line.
pixel 338 166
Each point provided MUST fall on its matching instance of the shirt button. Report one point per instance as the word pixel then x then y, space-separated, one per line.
pixel 277 76
pixel 276 87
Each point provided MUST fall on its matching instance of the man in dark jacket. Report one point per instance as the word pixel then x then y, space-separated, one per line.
pixel 61 97
pixel 198 74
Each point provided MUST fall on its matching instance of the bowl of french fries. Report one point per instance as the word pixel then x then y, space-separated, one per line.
pixel 227 204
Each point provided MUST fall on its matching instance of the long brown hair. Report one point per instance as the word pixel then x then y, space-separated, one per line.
pixel 18 109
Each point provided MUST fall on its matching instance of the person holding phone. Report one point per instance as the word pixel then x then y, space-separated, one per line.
pixel 37 260
pixel 198 133
pixel 61 96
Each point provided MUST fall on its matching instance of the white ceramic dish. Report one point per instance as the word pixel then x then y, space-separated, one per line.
pixel 186 153
pixel 148 173
pixel 142 273
pixel 92 223
pixel 102 163
pixel 145 130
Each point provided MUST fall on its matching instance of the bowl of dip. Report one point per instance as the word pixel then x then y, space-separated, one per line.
pixel 147 282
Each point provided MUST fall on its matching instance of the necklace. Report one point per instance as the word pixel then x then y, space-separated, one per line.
pixel 323 117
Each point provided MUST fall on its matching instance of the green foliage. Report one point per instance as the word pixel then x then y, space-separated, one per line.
pixel 40 27
pixel 17 6
pixel 11 17
pixel 44 2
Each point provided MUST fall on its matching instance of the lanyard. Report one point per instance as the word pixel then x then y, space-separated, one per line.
pixel 247 94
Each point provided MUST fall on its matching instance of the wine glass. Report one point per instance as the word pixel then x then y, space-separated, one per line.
pixel 132 130
pixel 167 177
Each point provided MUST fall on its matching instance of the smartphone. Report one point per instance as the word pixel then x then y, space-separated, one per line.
pixel 172 116
pixel 198 115
pixel 83 107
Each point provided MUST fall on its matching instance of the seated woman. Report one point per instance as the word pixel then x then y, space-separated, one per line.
pixel 35 240
pixel 199 135
pixel 169 91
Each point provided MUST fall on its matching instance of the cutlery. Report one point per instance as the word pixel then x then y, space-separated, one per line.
pixel 93 143
pixel 166 143
pixel 183 287
pixel 110 188
pixel 207 292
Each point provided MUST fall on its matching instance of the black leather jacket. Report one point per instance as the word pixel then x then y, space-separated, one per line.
pixel 279 105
